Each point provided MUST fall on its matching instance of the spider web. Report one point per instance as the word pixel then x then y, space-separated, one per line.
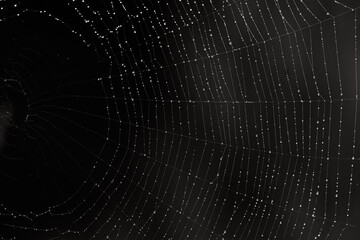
pixel 179 119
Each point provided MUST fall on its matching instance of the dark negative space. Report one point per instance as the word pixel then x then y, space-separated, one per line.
pixel 179 119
